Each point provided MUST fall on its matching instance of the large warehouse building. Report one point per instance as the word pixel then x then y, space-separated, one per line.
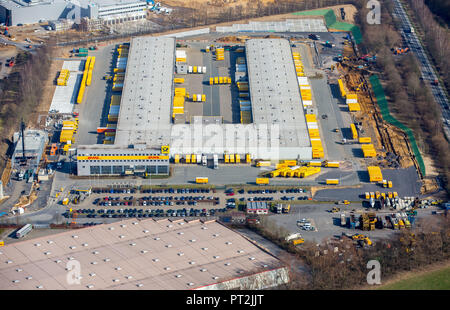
pixel 146 137
pixel 140 254
pixel 143 126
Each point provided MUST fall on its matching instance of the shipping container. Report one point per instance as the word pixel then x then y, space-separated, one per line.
pixel 332 164
pixel 341 88
pixel 365 140
pixel 177 158
pixel 188 159
pixel 238 158
pixel 261 181
pixel 178 80
pixel 201 180
pixel 290 163
pixel 354 107
pixel 354 131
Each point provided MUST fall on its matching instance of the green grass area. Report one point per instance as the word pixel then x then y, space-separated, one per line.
pixel 435 280
pixel 387 116
pixel 332 23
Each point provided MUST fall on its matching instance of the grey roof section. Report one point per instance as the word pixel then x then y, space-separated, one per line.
pixel 274 91
pixel 289 25
pixel 144 116
pixel 134 254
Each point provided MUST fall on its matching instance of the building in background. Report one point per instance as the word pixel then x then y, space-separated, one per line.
pixel 61 25
pixel 17 12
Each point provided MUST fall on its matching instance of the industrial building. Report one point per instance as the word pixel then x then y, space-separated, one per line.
pixel 34 142
pixel 141 254
pixel 14 12
pixel 144 128
pixel 275 95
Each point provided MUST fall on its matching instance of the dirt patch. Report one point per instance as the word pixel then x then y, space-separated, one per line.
pixel 47 95
pixel 350 12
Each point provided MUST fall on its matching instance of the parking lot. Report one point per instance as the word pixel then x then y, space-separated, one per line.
pixel 171 202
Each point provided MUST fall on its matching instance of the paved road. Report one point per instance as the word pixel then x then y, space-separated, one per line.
pixel 428 73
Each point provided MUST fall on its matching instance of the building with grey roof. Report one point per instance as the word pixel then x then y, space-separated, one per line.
pixel 140 254
pixel 144 123
pixel 14 12
pixel 145 126
pixel 275 95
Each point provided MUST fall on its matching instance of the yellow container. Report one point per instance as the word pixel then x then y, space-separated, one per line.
pixel 216 80
pixel 332 164
pixel 193 159
pixel 354 131
pixel 310 118
pixel 211 81
pixel 290 163
pixel 365 140
pixel 248 158
pixel 177 158
pixel 178 101
pixel 203 97
pixel 263 164
pixel 178 80
pixel 238 158
pixel 180 91
pixel 227 158
pixel 354 107
pixel 332 181
pixel 375 174
pixel 188 159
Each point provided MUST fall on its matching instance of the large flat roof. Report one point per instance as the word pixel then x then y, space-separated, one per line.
pixel 144 116
pixel 274 92
pixel 134 254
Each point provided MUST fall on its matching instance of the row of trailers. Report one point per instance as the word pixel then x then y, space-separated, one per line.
pixel 203 159
pixel 117 85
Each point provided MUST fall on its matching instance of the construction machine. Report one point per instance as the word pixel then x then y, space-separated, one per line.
pixel 343 202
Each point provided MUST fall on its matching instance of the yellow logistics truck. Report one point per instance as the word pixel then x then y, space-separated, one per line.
pixel 332 181
pixel 201 180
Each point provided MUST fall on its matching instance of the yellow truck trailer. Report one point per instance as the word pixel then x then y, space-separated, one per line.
pixel 262 181
pixel 332 181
